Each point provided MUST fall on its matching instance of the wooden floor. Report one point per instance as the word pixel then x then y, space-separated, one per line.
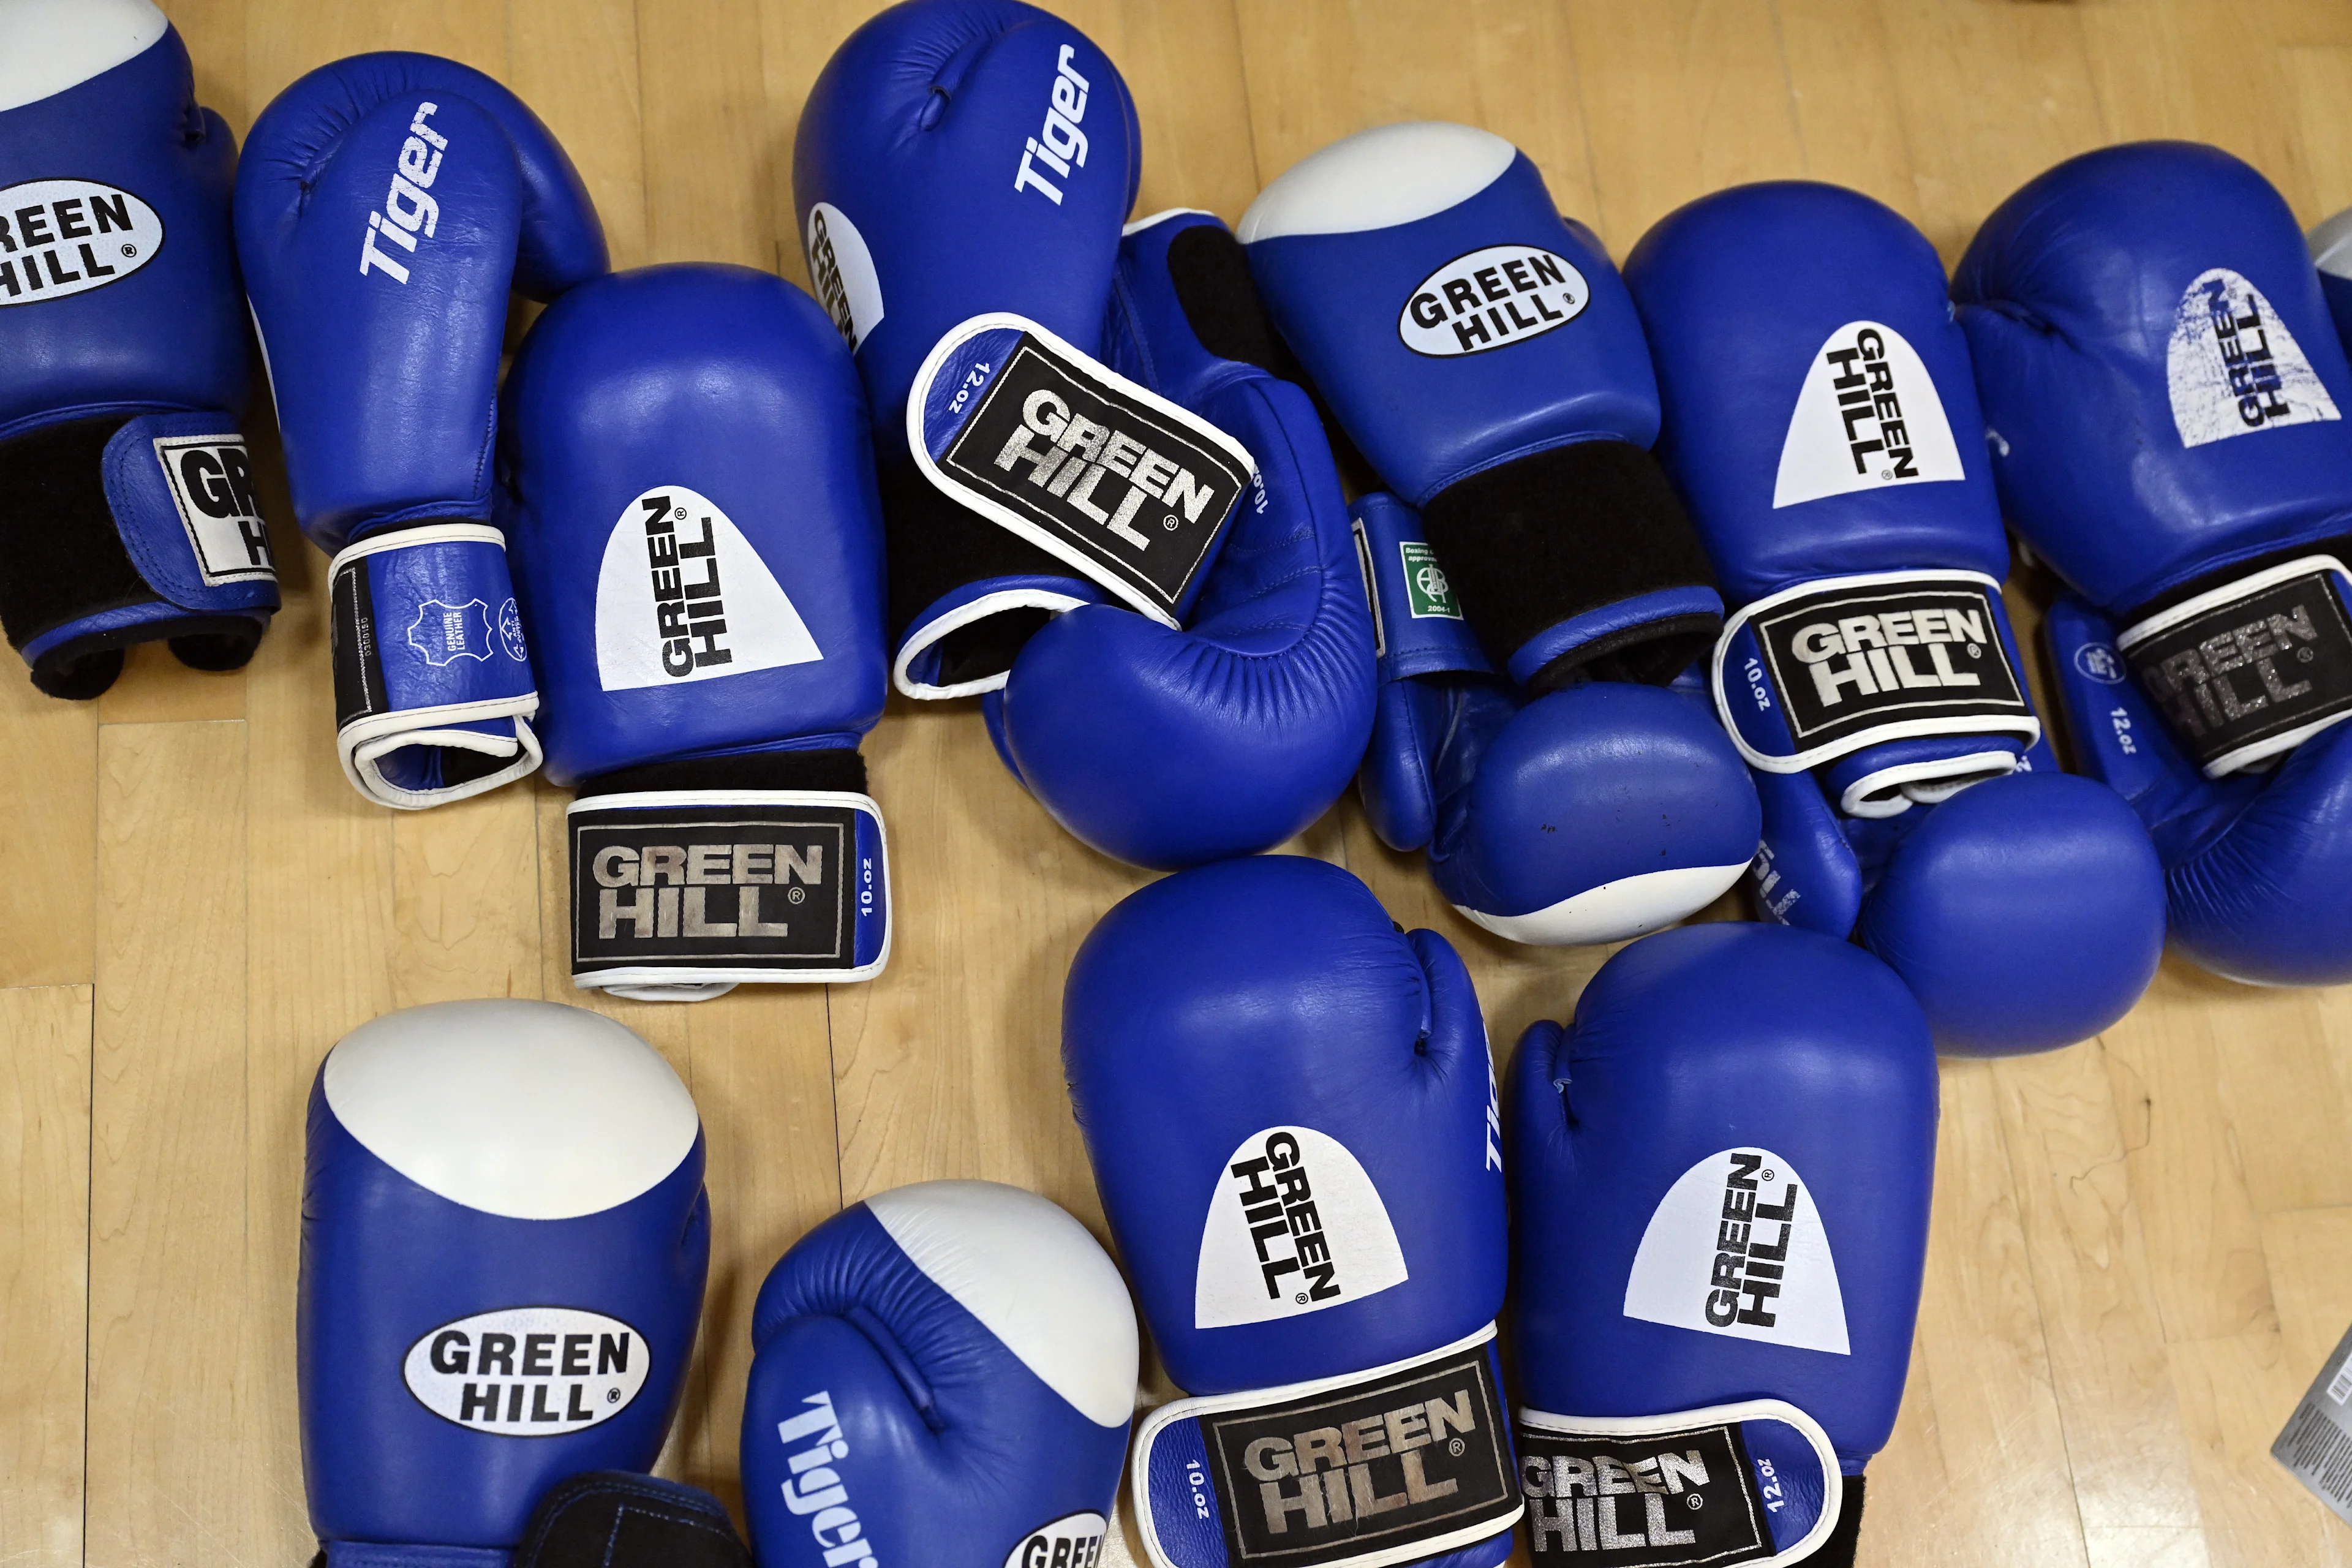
pixel 2142 1245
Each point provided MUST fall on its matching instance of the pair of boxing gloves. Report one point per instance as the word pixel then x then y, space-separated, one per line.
pixel 1719 1188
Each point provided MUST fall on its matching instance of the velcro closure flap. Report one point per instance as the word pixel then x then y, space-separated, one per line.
pixel 1393 1465
pixel 2252 668
pixel 1131 490
pixel 181 489
pixel 1822 670
pixel 680 895
pixel 1752 1482
pixel 1417 625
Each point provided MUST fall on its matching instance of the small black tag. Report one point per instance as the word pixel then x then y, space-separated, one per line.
pixel 2272 662
pixel 351 650
pixel 693 886
pixel 1663 1500
pixel 1131 490
pixel 1851 661
pixel 1371 1467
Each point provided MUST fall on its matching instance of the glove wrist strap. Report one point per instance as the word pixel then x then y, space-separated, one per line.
pixel 434 694
pixel 1093 477
pixel 1393 1465
pixel 1577 563
pixel 1752 1482
pixel 381 1554
pixel 1828 669
pixel 680 893
pixel 2252 668
pixel 120 528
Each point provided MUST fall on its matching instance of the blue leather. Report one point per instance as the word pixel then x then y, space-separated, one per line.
pixel 386 389
pixel 731 382
pixel 950 1448
pixel 914 129
pixel 2255 865
pixel 2067 293
pixel 1274 991
pixel 1168 748
pixel 385 1262
pixel 159 341
pixel 1525 803
pixel 1426 423
pixel 1982 902
pixel 1684 1045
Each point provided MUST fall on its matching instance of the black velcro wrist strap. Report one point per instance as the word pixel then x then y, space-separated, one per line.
pixel 1565 532
pixel 1394 1465
pixel 689 878
pixel 2251 669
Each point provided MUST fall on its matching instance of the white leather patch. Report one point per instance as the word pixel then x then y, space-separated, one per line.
pixel 1868 415
pixel 1296 1227
pixel 1490 298
pixel 1378 179
pixel 1034 1278
pixel 1737 1247
pixel 2234 367
pixel 529 1110
pixel 48 46
pixel 1073 1537
pixel 1616 910
pixel 683 597
pixel 2331 246
pixel 841 273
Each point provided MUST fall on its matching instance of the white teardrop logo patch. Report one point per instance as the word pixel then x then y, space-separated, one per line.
pixel 527 1372
pixel 683 597
pixel 1737 1247
pixel 2234 367
pixel 1492 297
pixel 1868 415
pixel 1296 1227
pixel 68 237
pixel 842 275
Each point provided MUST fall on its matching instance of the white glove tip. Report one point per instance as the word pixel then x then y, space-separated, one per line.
pixel 529 1109
pixel 48 46
pixel 1377 179
pixel 1034 1278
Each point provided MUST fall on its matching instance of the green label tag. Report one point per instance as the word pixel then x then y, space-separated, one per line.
pixel 1426 590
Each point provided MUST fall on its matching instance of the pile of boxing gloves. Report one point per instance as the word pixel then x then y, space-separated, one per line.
pixel 1651 578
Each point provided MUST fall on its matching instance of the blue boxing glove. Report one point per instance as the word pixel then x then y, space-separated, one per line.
pixel 1290 1113
pixel 2164 395
pixel 129 513
pixel 1720 1175
pixel 1481 352
pixel 943 1376
pixel 1169 746
pixel 1820 421
pixel 504 1242
pixel 687 488
pixel 1590 814
pixel 386 206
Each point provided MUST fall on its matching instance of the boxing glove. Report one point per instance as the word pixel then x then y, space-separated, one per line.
pixel 1481 352
pixel 1816 390
pixel 2163 393
pixel 1720 1174
pixel 960 171
pixel 943 1375
pixel 688 489
pixel 504 1241
pixel 129 513
pixel 1290 1113
pixel 1170 747
pixel 1592 813
pixel 387 205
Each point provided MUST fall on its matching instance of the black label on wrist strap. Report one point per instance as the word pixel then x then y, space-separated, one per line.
pixel 2255 669
pixel 702 886
pixel 1378 1466
pixel 1135 495
pixel 357 662
pixel 1662 1499
pixel 1855 661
